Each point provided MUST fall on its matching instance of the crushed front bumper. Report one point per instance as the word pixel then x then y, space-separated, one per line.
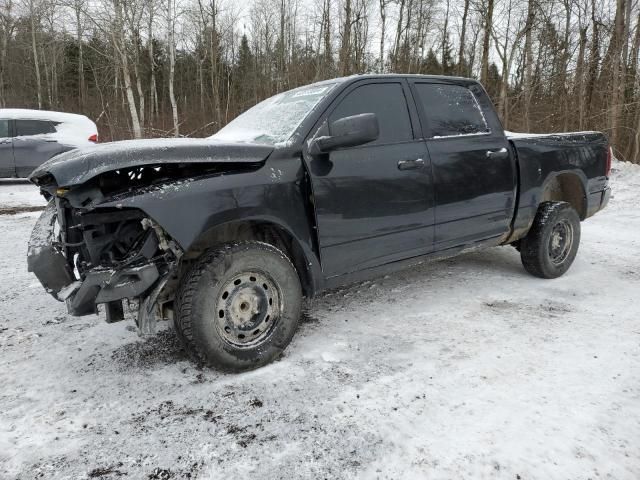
pixel 45 258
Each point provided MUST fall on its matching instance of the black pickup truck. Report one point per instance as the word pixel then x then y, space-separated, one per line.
pixel 313 188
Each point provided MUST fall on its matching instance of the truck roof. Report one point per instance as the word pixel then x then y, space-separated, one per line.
pixel 462 80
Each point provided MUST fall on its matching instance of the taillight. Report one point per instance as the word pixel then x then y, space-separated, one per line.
pixel 609 158
pixel 94 138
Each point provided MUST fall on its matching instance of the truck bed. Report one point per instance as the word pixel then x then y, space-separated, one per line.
pixel 546 160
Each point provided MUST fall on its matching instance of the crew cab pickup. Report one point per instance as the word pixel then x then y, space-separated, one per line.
pixel 311 189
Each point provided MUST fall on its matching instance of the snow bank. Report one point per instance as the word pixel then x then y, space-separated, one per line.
pixel 625 184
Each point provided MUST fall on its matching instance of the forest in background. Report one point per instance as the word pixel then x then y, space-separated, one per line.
pixel 148 68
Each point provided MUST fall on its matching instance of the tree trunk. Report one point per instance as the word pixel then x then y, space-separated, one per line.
pixel 153 91
pixel 119 44
pixel 462 70
pixel 383 21
pixel 633 150
pixel 579 88
pixel 613 59
pixel 327 41
pixel 488 25
pixel 345 47
pixel 172 70
pixel 81 79
pixel 215 75
pixel 445 38
pixel 34 50
pixel 7 29
pixel 594 61
pixel 528 61
pixel 396 45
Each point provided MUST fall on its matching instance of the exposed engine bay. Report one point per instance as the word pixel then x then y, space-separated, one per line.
pixel 86 257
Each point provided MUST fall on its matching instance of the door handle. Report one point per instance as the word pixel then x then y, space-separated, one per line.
pixel 501 153
pixel 410 164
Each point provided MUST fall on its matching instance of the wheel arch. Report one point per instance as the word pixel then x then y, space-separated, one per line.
pixel 264 230
pixel 567 187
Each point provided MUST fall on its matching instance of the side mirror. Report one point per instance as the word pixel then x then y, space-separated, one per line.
pixel 347 132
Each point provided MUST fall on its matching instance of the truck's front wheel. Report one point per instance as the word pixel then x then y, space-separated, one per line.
pixel 551 245
pixel 238 306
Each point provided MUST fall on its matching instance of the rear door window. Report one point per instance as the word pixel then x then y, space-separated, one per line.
pixel 33 127
pixel 387 101
pixel 4 128
pixel 451 110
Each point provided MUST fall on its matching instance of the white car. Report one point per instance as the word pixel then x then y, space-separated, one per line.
pixel 29 138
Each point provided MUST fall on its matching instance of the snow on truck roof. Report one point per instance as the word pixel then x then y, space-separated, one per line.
pixel 27 114
pixel 517 135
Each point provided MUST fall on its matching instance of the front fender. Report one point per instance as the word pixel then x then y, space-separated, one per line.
pixel 186 209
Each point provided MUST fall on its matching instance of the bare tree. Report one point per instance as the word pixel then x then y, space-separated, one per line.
pixel 34 16
pixel 120 45
pixel 7 25
pixel 486 41
pixel 463 38
pixel 171 45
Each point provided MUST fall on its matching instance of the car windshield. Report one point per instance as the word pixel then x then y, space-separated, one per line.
pixel 275 119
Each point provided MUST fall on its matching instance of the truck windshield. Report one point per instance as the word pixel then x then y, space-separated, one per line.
pixel 275 119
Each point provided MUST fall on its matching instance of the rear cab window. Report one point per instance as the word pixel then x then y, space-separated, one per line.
pixel 387 101
pixel 25 128
pixel 450 110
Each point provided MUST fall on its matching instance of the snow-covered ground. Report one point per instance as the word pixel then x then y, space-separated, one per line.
pixel 20 192
pixel 467 368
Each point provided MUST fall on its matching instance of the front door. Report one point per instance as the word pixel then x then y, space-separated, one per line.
pixel 374 202
pixel 474 171
pixel 33 145
pixel 7 166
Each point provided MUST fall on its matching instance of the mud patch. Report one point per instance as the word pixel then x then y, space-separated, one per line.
pixel 112 470
pixel 552 309
pixel 307 317
pixel 19 209
pixel 163 348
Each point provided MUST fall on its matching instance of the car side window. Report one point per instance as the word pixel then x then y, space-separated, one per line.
pixel 4 128
pixel 33 127
pixel 387 101
pixel 451 110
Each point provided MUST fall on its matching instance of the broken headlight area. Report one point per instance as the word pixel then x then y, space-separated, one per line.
pixel 101 256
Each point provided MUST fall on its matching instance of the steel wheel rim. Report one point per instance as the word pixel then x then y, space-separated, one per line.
pixel 560 242
pixel 247 309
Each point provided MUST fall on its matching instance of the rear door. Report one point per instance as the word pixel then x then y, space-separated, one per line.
pixel 33 144
pixel 473 169
pixel 7 166
pixel 373 202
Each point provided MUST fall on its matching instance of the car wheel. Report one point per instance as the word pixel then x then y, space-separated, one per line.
pixel 552 243
pixel 238 306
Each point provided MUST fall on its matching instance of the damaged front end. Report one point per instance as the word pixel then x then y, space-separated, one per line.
pixel 97 244
pixel 91 256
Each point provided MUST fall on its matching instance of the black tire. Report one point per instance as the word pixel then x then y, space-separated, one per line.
pixel 552 243
pixel 238 306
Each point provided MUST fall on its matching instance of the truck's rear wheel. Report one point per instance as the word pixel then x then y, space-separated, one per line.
pixel 551 245
pixel 239 305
